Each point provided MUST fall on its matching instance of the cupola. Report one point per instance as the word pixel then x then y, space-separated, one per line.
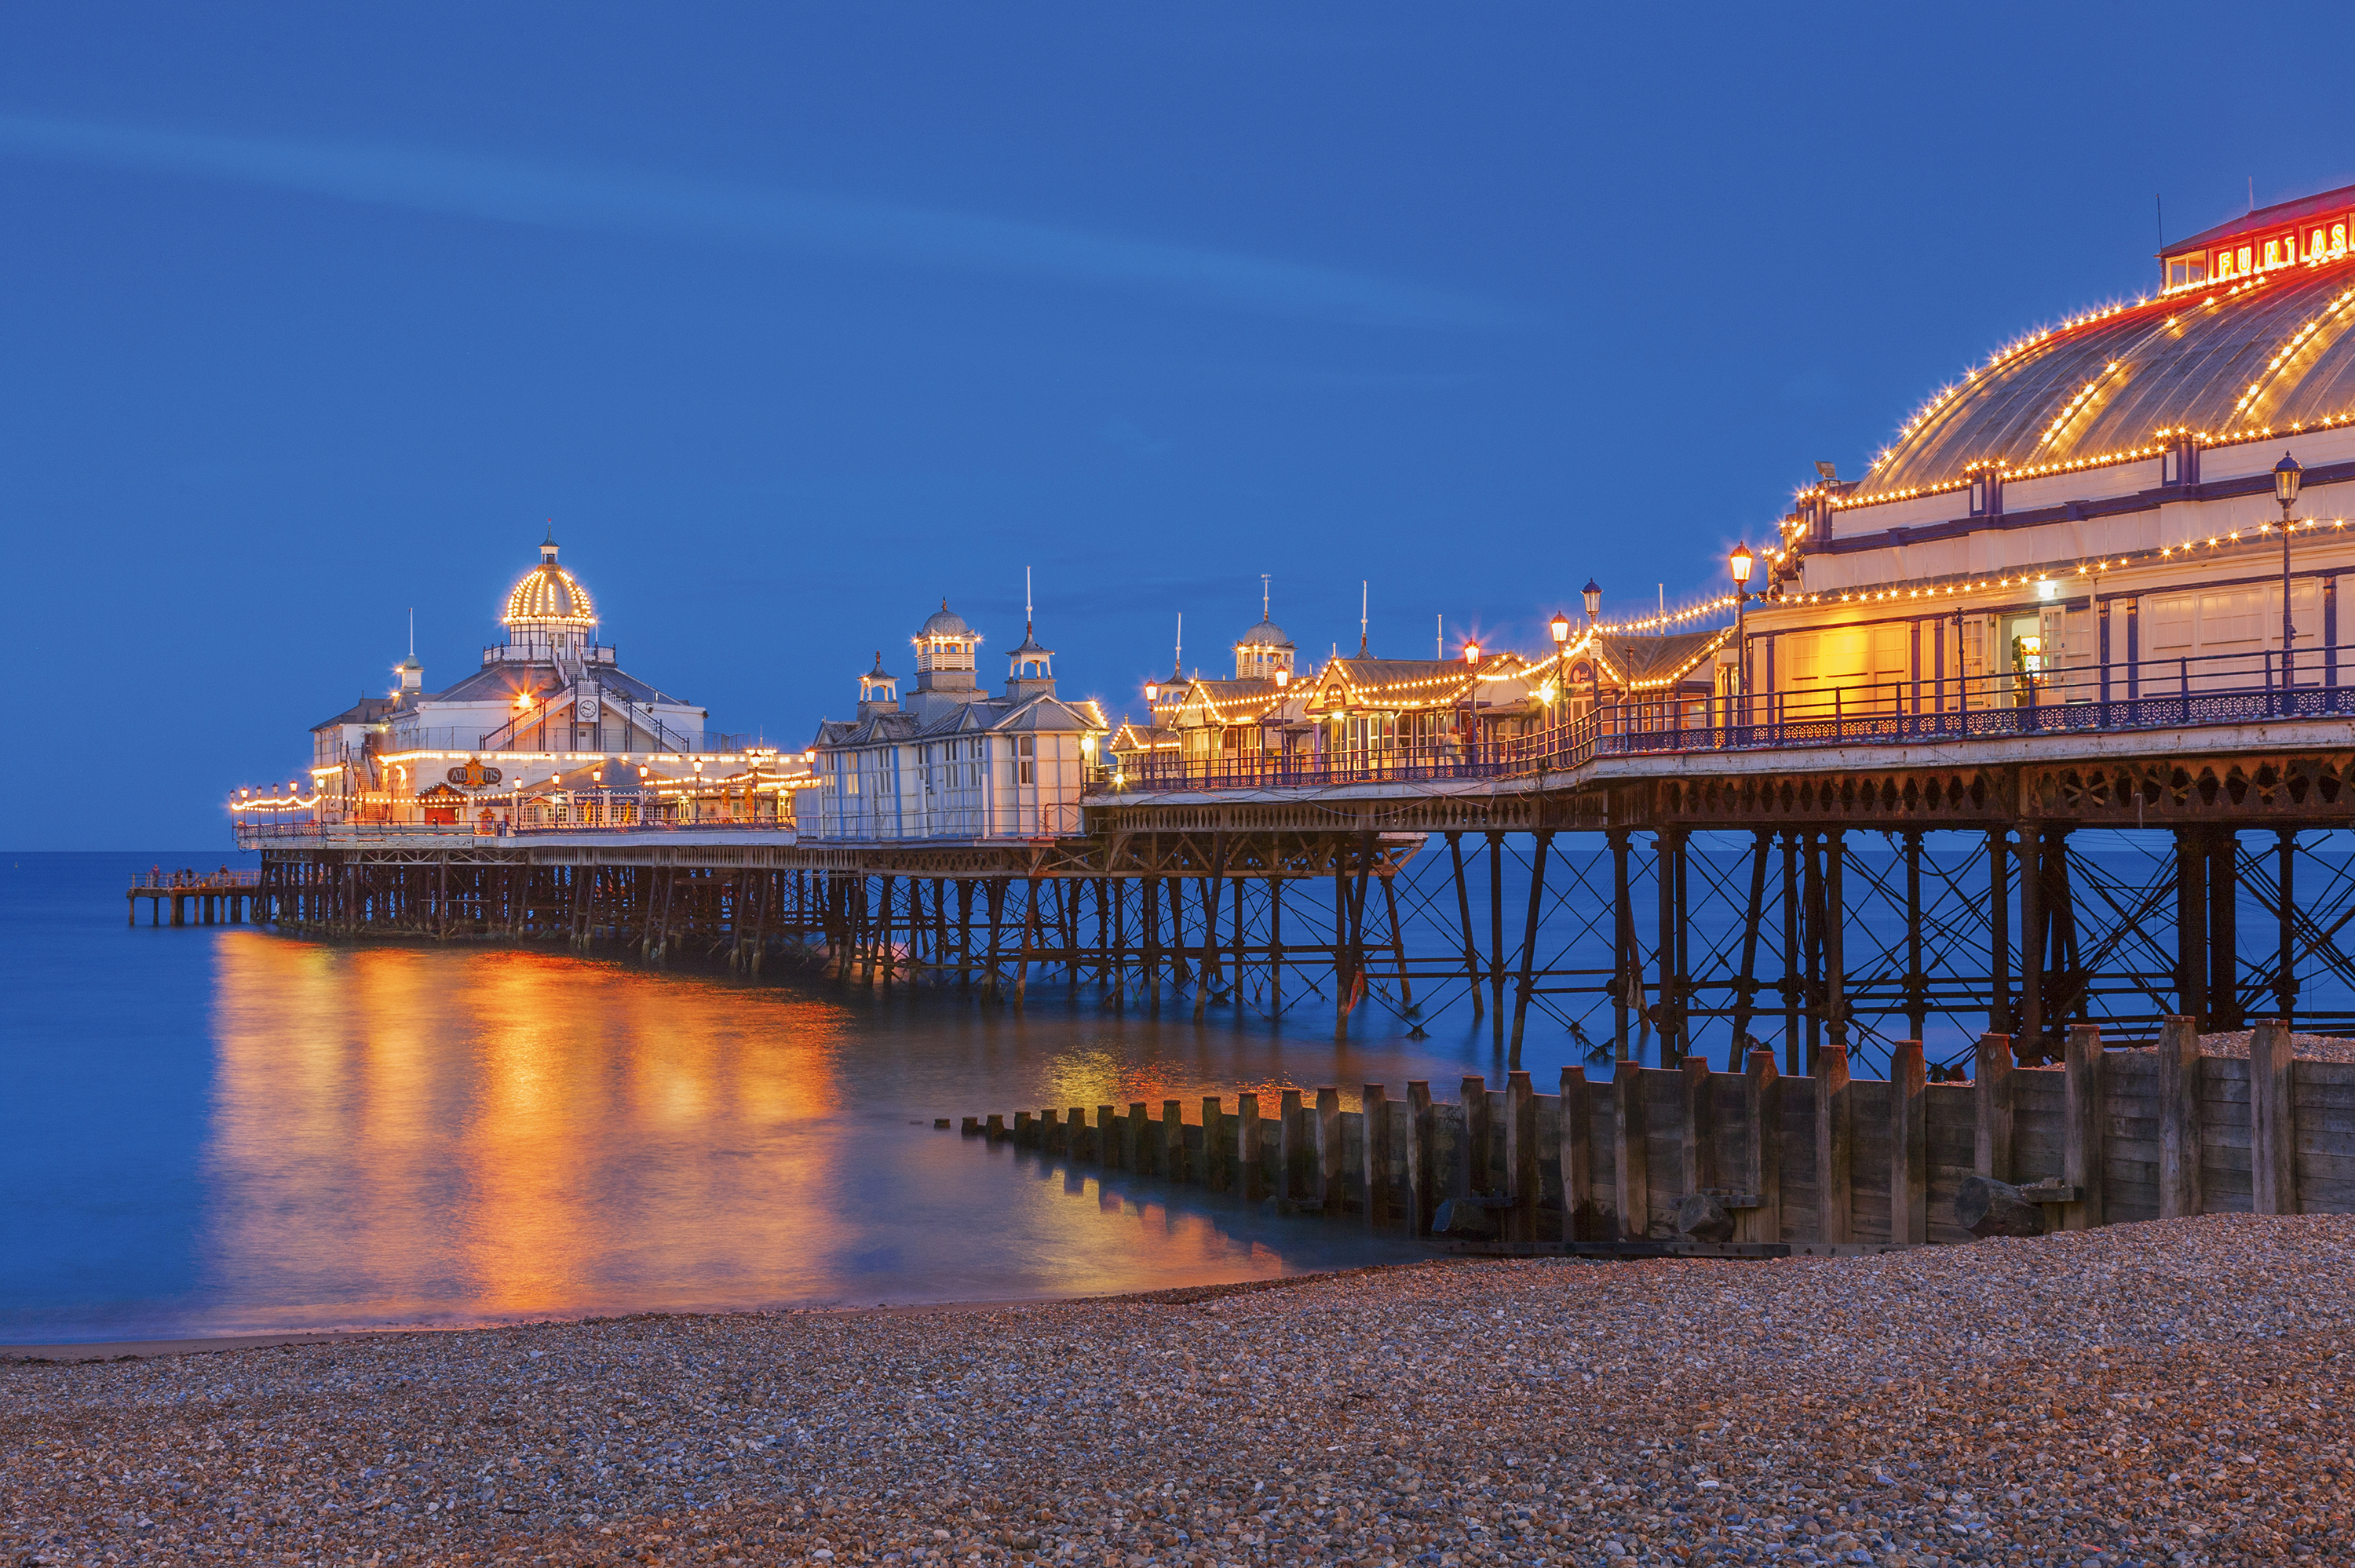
pixel 1265 652
pixel 548 614
pixel 945 649
pixel 877 693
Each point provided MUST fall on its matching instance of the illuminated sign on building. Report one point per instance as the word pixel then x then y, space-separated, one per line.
pixel 2263 242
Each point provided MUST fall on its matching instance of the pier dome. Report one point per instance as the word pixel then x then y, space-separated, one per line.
pixel 549 596
pixel 2266 354
pixel 945 652
pixel 1263 651
pixel 946 622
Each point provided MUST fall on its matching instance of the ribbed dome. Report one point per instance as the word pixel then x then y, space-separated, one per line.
pixel 549 593
pixel 2271 354
pixel 1266 634
pixel 946 622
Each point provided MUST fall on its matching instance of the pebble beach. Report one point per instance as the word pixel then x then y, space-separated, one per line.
pixel 2169 1392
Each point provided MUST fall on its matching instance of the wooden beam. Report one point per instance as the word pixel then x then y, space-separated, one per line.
pixel 1835 1146
pixel 2180 1080
pixel 2273 1121
pixel 2082 1147
pixel 1909 1144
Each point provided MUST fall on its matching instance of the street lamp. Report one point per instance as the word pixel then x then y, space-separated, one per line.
pixel 1740 563
pixel 1593 594
pixel 2287 475
pixel 1471 653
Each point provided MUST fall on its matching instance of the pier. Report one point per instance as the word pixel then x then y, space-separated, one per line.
pixel 2044 722
pixel 223 898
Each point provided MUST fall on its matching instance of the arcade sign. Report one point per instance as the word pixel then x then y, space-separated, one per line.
pixel 474 775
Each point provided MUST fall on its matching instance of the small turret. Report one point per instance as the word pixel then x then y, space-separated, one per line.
pixel 1030 669
pixel 877 693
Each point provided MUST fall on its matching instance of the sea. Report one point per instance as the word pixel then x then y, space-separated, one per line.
pixel 218 1131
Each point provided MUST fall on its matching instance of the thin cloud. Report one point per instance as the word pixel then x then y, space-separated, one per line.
pixel 746 217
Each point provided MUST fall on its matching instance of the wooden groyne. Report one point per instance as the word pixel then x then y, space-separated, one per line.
pixel 1762 1163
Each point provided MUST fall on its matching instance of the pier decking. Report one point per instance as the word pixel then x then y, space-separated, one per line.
pixel 215 897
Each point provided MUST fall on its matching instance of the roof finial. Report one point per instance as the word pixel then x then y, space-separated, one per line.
pixel 412 631
pixel 1363 597
pixel 1026 604
pixel 1177 661
pixel 1262 598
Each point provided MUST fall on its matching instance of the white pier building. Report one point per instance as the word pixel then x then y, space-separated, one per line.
pixel 549 733
pixel 953 762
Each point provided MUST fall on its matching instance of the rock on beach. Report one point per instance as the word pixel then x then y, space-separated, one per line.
pixel 2172 1393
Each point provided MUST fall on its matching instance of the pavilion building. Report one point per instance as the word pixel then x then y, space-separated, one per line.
pixel 953 762
pixel 2096 513
pixel 548 731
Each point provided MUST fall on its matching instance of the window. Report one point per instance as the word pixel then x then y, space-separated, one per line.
pixel 1027 750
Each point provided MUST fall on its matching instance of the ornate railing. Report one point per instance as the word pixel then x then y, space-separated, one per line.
pixel 2212 691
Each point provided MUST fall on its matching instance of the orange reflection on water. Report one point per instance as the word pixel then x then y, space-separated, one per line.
pixel 502 1129
pixel 407 1133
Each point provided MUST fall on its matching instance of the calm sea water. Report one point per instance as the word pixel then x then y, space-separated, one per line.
pixel 216 1130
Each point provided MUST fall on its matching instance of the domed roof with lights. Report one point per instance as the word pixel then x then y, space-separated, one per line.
pixel 549 596
pixel 946 622
pixel 2248 337
pixel 1266 634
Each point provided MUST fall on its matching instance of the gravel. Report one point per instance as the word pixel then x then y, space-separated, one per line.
pixel 2169 1393
pixel 2305 1047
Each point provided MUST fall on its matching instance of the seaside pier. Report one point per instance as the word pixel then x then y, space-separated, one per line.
pixel 2044 722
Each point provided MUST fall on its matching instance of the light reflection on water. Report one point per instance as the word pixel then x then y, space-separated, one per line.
pixel 226 1132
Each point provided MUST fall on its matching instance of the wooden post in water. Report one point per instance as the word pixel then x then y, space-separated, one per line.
pixel 1377 1114
pixel 2082 1155
pixel 1251 1179
pixel 1136 1140
pixel 1291 1148
pixel 1474 1162
pixel 1331 1190
pixel 1909 1144
pixel 1109 1153
pixel 1075 1136
pixel 1420 1197
pixel 1218 1143
pixel 2179 1118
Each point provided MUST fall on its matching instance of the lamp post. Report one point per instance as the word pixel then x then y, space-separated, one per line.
pixel 2287 475
pixel 1740 563
pixel 1559 627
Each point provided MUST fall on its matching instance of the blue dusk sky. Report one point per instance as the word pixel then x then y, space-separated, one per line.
pixel 797 319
